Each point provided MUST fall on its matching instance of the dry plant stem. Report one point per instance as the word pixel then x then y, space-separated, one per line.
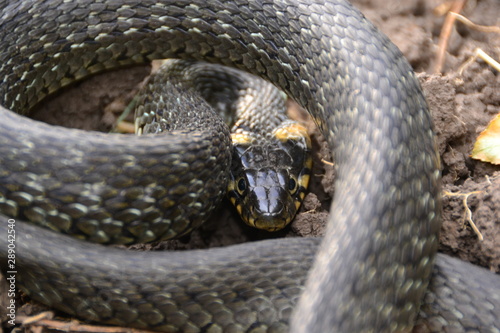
pixel 27 320
pixel 444 37
pixel 327 162
pixel 472 25
pixel 44 320
pixel 468 213
pixel 478 53
pixel 125 127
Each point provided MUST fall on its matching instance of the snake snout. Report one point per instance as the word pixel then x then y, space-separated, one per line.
pixel 271 210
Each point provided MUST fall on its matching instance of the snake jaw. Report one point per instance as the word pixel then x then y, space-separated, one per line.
pixel 270 225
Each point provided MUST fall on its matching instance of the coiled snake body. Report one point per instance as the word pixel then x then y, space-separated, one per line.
pixel 371 270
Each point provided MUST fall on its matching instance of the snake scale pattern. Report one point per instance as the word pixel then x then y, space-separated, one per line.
pixel 372 270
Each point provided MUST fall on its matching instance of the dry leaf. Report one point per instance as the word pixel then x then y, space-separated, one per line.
pixel 487 146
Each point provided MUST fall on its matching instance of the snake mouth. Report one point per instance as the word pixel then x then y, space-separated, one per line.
pixel 271 223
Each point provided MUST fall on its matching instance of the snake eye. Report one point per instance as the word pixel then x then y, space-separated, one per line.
pixel 292 185
pixel 242 185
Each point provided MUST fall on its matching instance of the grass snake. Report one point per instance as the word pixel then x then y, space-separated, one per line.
pixel 371 271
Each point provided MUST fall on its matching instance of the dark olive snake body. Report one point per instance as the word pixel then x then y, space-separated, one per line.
pixel 373 267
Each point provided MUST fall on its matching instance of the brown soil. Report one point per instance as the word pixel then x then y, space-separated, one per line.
pixel 461 106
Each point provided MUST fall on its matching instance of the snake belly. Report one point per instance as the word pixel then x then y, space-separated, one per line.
pixel 373 267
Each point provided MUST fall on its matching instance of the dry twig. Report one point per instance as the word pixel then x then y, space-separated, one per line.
pixel 444 37
pixel 468 212
pixel 44 320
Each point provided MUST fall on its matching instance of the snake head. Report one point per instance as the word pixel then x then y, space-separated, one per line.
pixel 268 180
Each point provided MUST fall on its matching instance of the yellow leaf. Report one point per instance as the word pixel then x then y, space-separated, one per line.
pixel 487 146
